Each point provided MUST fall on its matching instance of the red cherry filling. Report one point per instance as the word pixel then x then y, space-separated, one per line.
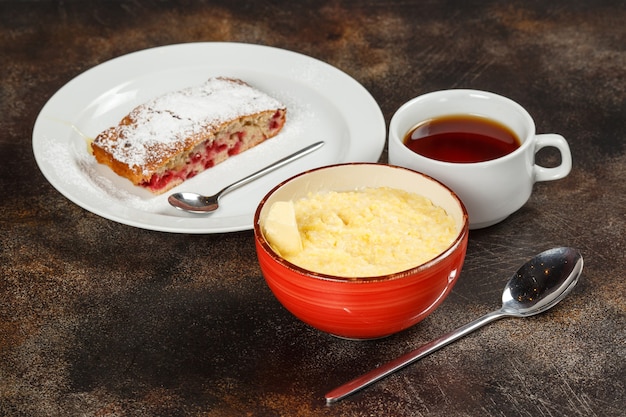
pixel 276 123
pixel 197 162
pixel 204 157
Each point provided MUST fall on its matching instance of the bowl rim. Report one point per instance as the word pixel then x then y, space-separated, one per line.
pixel 266 247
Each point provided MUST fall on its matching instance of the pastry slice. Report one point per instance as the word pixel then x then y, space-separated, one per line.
pixel 173 137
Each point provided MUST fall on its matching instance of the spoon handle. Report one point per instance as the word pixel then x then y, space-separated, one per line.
pixel 286 160
pixel 410 357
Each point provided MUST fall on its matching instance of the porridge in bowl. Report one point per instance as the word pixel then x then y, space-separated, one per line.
pixel 348 220
pixel 360 233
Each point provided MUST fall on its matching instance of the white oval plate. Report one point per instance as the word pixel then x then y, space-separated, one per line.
pixel 323 103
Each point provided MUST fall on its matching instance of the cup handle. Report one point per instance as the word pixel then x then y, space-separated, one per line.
pixel 559 142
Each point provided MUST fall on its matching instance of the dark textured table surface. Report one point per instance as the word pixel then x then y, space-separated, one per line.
pixel 102 319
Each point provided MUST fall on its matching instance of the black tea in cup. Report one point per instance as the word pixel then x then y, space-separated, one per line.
pixel 461 139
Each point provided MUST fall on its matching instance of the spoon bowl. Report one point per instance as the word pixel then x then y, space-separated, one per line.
pixel 537 286
pixel 195 203
pixel 542 282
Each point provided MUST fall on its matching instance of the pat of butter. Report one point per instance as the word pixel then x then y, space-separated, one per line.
pixel 281 229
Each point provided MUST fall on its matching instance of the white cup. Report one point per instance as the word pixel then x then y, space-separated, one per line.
pixel 491 190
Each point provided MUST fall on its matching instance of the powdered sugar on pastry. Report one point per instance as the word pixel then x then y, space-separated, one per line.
pixel 173 137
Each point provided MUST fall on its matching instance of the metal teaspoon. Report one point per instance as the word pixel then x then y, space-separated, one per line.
pixel 196 203
pixel 537 286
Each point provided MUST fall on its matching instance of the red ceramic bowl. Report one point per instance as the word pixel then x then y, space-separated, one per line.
pixel 371 307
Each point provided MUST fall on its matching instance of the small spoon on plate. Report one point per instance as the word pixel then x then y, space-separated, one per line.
pixel 537 286
pixel 196 203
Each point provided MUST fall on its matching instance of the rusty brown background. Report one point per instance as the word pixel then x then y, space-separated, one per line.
pixel 102 319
